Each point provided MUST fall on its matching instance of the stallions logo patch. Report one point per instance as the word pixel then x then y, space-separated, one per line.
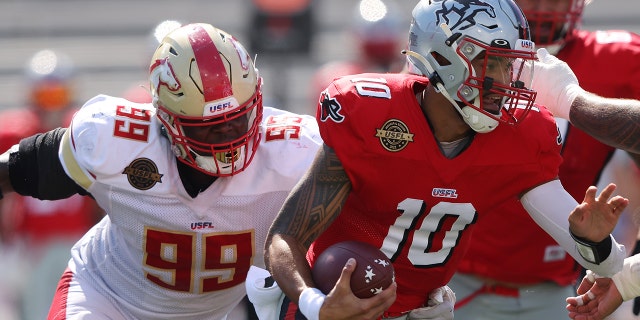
pixel 462 14
pixel 394 135
pixel 142 174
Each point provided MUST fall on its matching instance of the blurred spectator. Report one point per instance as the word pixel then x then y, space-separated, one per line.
pixel 39 234
pixel 281 27
pixel 280 34
pixel 378 35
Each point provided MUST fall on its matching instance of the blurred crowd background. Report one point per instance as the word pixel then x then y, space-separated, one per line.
pixel 109 41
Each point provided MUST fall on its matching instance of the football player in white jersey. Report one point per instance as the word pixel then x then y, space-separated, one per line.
pixel 190 184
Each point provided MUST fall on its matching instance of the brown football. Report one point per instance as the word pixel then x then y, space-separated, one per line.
pixel 374 271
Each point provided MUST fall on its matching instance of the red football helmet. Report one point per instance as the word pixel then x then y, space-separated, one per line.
pixel 552 22
pixel 201 76
pixel 379 32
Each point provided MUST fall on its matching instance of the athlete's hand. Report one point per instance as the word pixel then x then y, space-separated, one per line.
pixel 596 217
pixel 439 307
pixel 341 303
pixel 555 83
pixel 598 298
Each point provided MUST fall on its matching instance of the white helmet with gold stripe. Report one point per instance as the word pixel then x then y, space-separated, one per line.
pixel 201 76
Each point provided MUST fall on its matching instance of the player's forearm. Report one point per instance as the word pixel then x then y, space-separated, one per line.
pixel 615 122
pixel 548 205
pixel 286 261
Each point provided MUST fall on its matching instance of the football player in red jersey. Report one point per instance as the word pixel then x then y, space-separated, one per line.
pixel 532 281
pixel 42 232
pixel 190 184
pixel 411 162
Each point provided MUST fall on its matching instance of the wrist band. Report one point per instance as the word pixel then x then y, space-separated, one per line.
pixel 593 252
pixel 310 301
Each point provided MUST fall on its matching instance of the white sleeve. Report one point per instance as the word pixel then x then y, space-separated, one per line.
pixel 549 205
pixel 628 280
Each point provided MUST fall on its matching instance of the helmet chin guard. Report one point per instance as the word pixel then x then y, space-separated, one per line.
pixel 477 120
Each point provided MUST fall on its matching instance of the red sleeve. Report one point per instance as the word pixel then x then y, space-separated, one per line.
pixel 353 108
pixel 15 125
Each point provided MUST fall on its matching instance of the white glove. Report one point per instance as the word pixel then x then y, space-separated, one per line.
pixel 554 81
pixel 439 306
pixel 266 301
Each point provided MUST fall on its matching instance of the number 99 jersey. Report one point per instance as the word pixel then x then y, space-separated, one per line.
pixel 159 252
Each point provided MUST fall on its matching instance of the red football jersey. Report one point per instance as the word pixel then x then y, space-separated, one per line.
pixel 408 199
pixel 30 219
pixel 530 255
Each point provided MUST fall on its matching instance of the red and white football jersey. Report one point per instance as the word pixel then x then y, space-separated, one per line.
pixel 159 252
pixel 408 199
pixel 530 255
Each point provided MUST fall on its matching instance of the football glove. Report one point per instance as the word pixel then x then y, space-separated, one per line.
pixel 439 306
pixel 555 83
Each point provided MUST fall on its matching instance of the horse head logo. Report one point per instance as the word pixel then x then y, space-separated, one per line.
pixel 243 55
pixel 466 10
pixel 161 74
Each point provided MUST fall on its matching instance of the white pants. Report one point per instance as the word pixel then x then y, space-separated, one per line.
pixel 542 301
pixel 71 301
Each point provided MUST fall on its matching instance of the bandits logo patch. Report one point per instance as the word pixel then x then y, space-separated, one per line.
pixel 394 135
pixel 330 109
pixel 142 174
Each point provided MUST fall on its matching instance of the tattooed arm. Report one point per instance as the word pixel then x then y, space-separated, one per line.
pixel 615 122
pixel 309 210
pixel 612 121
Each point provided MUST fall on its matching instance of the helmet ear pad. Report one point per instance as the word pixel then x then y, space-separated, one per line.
pixel 201 76
pixel 440 59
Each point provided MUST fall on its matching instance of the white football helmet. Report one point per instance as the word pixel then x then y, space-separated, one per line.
pixel 552 28
pixel 446 35
pixel 201 76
